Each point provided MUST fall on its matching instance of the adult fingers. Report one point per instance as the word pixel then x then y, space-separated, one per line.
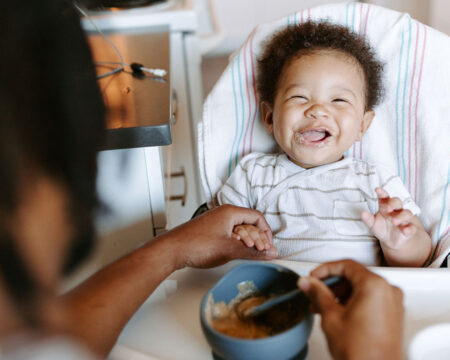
pixel 398 295
pixel 321 297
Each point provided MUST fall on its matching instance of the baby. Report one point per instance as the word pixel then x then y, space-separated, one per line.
pixel 318 84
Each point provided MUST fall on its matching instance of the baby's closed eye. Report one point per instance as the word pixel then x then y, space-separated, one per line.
pixel 340 100
pixel 299 98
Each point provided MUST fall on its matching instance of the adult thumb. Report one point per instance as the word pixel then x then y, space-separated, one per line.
pixel 321 297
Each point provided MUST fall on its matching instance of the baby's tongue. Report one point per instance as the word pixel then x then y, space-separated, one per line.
pixel 314 135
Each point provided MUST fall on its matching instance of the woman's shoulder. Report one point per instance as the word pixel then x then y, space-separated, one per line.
pixel 31 348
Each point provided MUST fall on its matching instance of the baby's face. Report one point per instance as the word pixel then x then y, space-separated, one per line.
pixel 318 111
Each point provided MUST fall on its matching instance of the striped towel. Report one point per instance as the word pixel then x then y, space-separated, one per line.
pixel 410 133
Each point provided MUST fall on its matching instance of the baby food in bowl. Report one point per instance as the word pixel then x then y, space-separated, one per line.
pixel 280 333
pixel 229 318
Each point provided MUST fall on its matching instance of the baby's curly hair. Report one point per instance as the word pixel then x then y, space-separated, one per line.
pixel 295 41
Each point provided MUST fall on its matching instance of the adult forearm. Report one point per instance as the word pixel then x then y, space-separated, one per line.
pixel 101 306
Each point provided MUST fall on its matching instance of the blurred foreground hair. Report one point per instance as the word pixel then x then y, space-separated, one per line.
pixel 51 123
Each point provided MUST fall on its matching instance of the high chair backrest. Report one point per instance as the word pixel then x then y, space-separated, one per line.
pixel 410 133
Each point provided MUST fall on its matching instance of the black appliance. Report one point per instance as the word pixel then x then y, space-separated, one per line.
pixel 125 4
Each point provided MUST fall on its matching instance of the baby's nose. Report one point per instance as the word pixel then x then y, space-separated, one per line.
pixel 316 111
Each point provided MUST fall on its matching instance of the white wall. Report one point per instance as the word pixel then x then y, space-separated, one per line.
pixel 418 9
pixel 239 17
pixel 434 13
pixel 439 15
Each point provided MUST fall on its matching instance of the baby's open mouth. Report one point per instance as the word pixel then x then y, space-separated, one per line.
pixel 311 136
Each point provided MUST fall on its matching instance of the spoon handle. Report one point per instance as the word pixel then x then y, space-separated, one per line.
pixel 256 310
pixel 293 293
pixel 330 281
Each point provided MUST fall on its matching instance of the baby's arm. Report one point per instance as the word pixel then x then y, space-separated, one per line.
pixel 253 236
pixel 402 236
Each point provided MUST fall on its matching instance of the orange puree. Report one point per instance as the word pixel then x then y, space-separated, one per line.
pixel 224 317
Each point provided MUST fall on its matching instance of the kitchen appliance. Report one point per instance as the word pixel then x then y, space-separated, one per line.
pixel 125 4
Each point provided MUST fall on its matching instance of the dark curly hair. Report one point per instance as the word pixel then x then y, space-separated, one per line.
pixel 295 41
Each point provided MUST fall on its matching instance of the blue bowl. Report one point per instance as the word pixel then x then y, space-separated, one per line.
pixel 268 278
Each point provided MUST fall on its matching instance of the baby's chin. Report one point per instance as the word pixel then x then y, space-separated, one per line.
pixel 308 163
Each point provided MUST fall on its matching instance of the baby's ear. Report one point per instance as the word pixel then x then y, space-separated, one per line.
pixel 365 123
pixel 267 116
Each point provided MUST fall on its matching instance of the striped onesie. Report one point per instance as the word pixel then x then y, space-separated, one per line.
pixel 315 214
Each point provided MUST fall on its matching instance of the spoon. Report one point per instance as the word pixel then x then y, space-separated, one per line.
pixel 247 309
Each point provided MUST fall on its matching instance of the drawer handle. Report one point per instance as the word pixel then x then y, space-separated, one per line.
pixel 174 106
pixel 182 174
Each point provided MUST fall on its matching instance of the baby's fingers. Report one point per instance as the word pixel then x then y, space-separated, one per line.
pixel 242 234
pixel 235 236
pixel 252 236
pixel 260 239
pixel 404 220
pixel 381 193
pixel 368 219
pixel 408 230
pixel 401 217
pixel 387 204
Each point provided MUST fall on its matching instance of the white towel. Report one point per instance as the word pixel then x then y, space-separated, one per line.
pixel 410 133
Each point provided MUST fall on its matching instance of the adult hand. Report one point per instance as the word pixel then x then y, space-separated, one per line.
pixel 207 240
pixel 102 305
pixel 370 323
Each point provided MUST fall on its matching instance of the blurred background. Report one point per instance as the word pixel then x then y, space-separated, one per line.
pixel 151 188
pixel 232 20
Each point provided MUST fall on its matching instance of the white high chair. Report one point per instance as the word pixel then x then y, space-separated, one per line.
pixel 409 135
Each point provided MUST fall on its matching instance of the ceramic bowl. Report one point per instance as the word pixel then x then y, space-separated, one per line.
pixel 268 278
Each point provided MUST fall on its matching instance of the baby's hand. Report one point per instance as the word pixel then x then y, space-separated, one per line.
pixel 251 236
pixel 392 224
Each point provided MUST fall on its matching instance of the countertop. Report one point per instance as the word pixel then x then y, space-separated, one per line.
pixel 139 109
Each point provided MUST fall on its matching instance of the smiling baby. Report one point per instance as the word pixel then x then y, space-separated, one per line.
pixel 318 84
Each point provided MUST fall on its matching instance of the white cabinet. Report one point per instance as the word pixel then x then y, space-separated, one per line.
pixel 182 190
pixel 180 20
pixel 136 185
pixel 130 186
